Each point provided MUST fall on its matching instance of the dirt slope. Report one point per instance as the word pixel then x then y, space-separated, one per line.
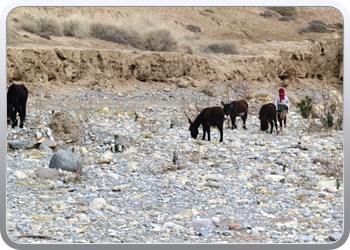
pixel 270 51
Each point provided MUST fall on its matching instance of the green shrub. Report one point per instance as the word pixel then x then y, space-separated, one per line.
pixel 328 120
pixel 160 40
pixel 305 107
pixel 285 11
pixel 223 47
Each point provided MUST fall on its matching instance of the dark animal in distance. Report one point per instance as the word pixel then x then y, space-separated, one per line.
pixel 267 114
pixel 211 116
pixel 17 96
pixel 234 109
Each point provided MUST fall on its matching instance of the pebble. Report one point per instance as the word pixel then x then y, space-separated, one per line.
pixel 166 187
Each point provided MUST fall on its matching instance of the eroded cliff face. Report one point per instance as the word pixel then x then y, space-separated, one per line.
pixel 86 67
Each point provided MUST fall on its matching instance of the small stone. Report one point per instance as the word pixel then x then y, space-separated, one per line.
pixel 20 175
pixel 23 144
pixel 106 157
pixel 11 226
pixel 97 204
pixel 203 232
pixel 234 226
pixel 335 236
pixel 47 173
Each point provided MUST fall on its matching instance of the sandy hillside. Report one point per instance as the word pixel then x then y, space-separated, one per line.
pixel 271 51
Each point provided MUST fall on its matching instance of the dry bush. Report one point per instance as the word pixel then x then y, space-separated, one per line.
pixel 285 11
pixel 185 48
pixel 193 28
pixel 28 23
pixel 223 47
pixel 42 25
pixel 315 27
pixel 49 26
pixel 11 35
pixel 76 27
pixel 108 32
pixel 210 90
pixel 328 106
pixel 285 19
pixel 338 26
pixel 330 166
pixel 160 40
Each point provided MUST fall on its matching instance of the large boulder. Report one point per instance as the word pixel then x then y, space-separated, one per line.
pixel 66 160
pixel 67 127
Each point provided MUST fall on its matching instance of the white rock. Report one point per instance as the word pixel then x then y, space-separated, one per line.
pixel 106 157
pixel 97 204
pixel 274 177
pixel 20 175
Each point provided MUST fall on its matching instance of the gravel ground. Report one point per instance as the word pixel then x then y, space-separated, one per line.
pixel 164 187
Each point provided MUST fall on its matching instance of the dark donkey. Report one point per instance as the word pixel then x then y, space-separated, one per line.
pixel 17 96
pixel 212 116
pixel 234 109
pixel 267 115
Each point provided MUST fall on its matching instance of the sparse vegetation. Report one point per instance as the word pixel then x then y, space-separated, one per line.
pixel 336 26
pixel 118 146
pixel 210 90
pixel 42 25
pixel 155 40
pixel 315 27
pixel 305 107
pixel 109 33
pixel 193 28
pixel 285 11
pixel 331 167
pixel 160 40
pixel 223 47
pixel 136 116
pixel 76 28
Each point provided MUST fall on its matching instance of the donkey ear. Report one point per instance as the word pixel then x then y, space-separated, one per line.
pixel 189 120
pixel 222 103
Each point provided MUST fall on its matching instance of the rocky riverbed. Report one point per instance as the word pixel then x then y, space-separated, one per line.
pixel 144 180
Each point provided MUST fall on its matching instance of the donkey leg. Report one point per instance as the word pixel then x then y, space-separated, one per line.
pixel 22 115
pixel 244 118
pixel 221 133
pixel 204 131
pixel 271 123
pixel 276 124
pixel 14 118
pixel 234 122
pixel 208 131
